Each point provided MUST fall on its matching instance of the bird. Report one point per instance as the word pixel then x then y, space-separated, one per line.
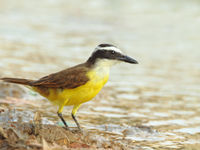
pixel 78 84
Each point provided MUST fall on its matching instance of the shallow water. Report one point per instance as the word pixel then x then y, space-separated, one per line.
pixel 152 105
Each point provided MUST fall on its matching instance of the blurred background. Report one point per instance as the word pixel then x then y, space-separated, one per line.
pixel 155 104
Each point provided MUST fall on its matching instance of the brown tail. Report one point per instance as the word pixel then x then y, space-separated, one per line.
pixel 17 81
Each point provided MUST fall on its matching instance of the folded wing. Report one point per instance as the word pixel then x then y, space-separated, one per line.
pixel 68 79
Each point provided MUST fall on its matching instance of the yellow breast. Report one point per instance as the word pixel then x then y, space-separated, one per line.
pixel 86 92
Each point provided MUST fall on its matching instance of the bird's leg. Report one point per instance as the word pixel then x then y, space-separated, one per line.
pixel 61 117
pixel 63 120
pixel 73 115
pixel 76 122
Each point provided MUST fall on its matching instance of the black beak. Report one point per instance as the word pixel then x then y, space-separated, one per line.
pixel 128 59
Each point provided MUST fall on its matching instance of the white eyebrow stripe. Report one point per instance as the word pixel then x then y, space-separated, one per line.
pixel 110 48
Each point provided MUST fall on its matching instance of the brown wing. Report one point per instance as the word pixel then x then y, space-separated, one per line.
pixel 69 78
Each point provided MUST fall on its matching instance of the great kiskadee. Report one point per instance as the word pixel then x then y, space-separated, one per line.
pixel 78 84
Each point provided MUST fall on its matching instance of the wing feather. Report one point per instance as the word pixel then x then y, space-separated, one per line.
pixel 68 79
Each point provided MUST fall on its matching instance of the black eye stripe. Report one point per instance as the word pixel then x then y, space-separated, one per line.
pixel 104 54
pixel 109 54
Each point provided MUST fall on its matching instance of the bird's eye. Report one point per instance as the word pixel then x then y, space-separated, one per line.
pixel 112 52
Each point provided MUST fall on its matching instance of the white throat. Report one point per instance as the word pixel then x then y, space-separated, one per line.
pixel 102 66
pixel 106 63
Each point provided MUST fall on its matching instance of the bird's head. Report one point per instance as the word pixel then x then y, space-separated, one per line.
pixel 109 55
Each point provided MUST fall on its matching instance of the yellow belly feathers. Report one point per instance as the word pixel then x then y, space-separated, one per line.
pixel 80 94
